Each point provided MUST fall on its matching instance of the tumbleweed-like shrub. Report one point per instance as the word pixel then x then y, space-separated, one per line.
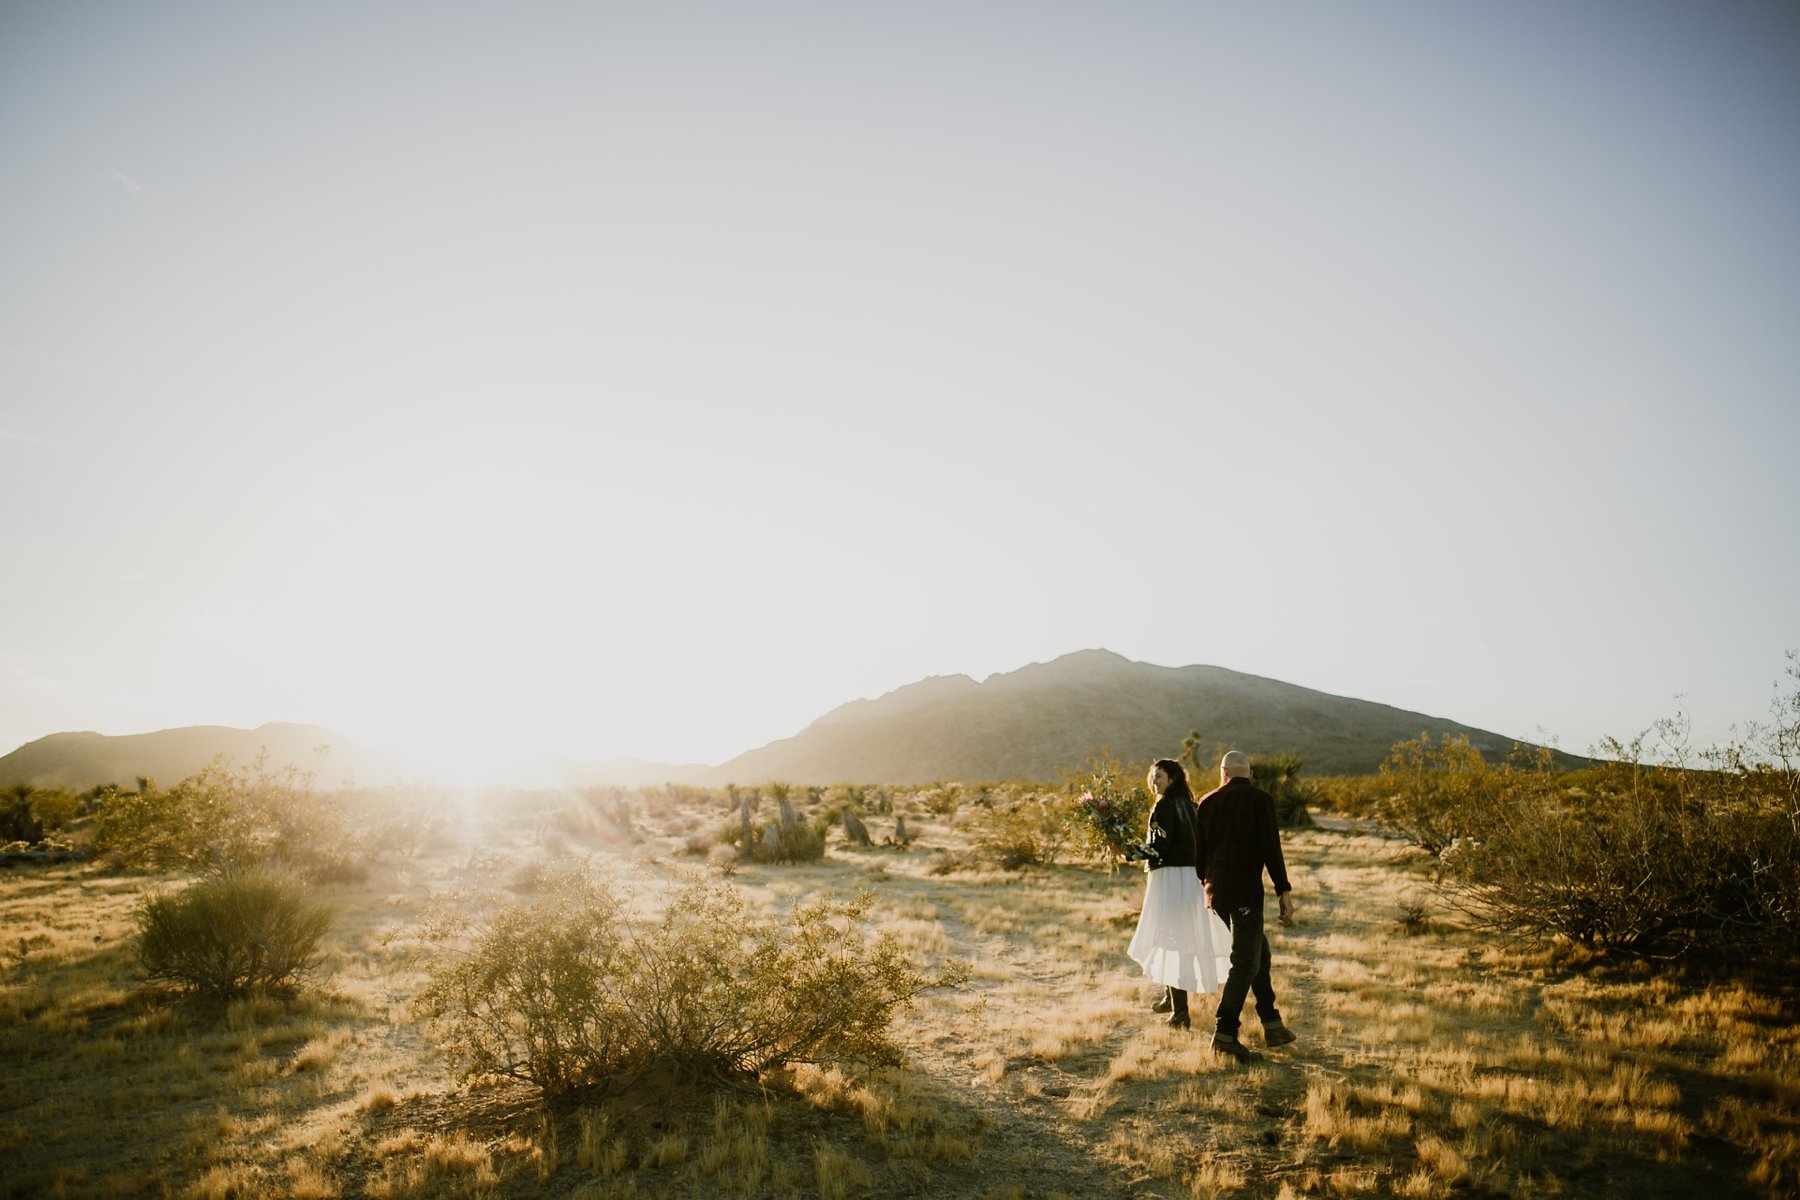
pixel 225 818
pixel 235 931
pixel 575 992
pixel 1025 830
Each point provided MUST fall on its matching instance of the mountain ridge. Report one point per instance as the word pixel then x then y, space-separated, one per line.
pixel 1046 718
pixel 1036 722
pixel 79 760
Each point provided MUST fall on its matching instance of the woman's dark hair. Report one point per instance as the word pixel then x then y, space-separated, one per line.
pixel 1178 784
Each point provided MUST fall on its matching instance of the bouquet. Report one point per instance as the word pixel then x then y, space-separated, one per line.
pixel 1110 819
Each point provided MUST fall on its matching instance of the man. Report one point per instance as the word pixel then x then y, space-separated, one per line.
pixel 1237 842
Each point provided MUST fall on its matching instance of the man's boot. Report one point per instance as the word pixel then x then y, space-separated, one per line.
pixel 1227 1043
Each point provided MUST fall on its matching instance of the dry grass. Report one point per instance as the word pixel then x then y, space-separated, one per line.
pixel 1431 1063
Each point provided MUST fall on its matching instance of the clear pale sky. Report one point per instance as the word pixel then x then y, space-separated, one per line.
pixel 648 379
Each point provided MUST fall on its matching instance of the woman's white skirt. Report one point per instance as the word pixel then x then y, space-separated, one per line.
pixel 1179 941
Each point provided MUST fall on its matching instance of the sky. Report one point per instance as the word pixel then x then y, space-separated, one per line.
pixel 603 380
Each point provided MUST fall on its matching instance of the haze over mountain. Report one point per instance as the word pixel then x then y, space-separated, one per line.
pixel 81 760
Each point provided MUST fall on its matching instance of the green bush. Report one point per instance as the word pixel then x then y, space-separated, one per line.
pixel 232 932
pixel 574 992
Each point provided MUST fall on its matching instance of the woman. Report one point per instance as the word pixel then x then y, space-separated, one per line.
pixel 1176 941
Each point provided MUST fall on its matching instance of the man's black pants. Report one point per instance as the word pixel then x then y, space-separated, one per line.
pixel 1249 970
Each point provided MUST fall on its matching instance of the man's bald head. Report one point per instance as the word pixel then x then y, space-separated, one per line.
pixel 1235 765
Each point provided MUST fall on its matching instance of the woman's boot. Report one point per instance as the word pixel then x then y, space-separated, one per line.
pixel 1166 1003
pixel 1178 1019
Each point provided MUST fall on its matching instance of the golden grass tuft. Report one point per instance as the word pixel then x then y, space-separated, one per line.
pixel 1353 1181
pixel 838 1174
pixel 446 1165
pixel 669 1150
pixel 1442 1160
pixel 599 1148
pixel 1214 1177
pixel 235 1181
pixel 306 1181
pixel 1338 1115
pixel 378 1097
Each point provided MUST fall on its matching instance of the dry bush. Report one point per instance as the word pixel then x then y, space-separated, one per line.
pixel 1649 861
pixel 1350 795
pixel 222 817
pixel 27 814
pixel 942 799
pixel 787 838
pixel 232 932
pixel 1654 858
pixel 574 992
pixel 1438 792
pixel 1641 852
pixel 1021 831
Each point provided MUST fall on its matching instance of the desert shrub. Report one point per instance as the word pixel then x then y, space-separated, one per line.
pixel 1349 795
pixel 1643 858
pixel 27 814
pixel 232 932
pixel 786 838
pixel 398 826
pixel 942 799
pixel 574 992
pixel 17 822
pixel 1026 830
pixel 608 814
pixel 1279 775
pixel 224 818
pixel 1436 791
pixel 1644 853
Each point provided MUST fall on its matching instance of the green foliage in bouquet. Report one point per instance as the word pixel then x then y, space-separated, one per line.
pixel 1109 818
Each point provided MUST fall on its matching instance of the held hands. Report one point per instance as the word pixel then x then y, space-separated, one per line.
pixel 1286 900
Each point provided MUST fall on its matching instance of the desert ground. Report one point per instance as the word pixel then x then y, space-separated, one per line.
pixel 1433 1060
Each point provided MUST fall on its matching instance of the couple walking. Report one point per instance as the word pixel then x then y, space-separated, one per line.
pixel 1225 842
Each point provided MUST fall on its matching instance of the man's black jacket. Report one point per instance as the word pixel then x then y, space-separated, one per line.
pixel 1236 842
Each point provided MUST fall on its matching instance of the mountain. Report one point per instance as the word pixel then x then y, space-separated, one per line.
pixel 81 760
pixel 1033 723
pixel 1045 718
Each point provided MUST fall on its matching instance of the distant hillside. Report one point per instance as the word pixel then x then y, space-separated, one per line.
pixel 1049 717
pixel 81 760
pixel 1033 723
